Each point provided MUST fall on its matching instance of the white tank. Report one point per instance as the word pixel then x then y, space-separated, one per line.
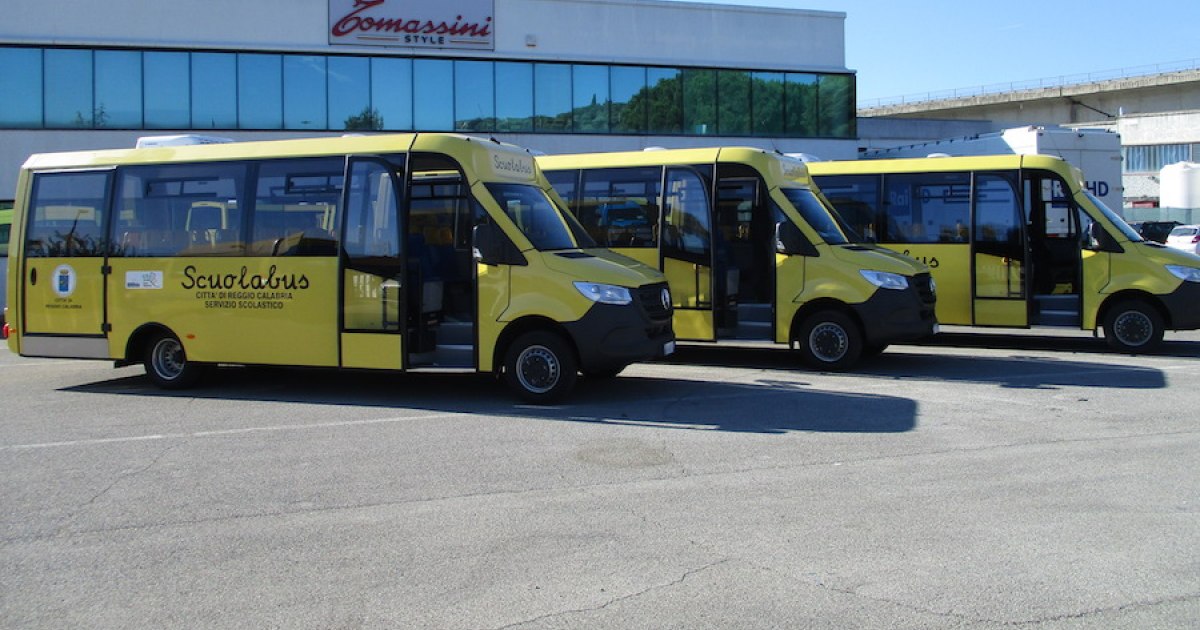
pixel 1179 185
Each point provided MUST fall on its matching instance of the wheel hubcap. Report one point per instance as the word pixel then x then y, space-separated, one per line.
pixel 537 369
pixel 828 342
pixel 1133 328
pixel 168 359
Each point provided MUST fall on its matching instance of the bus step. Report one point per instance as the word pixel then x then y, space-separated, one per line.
pixel 451 355
pixel 1056 310
pixel 456 334
pixel 754 313
pixel 753 330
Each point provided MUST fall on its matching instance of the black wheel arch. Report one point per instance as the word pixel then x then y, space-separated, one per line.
pixel 1133 295
pixel 822 304
pixel 522 325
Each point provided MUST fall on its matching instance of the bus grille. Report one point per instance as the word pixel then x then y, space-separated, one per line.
pixel 650 297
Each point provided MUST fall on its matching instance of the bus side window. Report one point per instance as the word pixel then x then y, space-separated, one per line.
pixel 619 207
pixel 998 217
pixel 927 207
pixel 296 207
pixel 67 214
pixel 180 210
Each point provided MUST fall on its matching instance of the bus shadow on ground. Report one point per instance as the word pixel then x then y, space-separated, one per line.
pixel 910 362
pixel 764 406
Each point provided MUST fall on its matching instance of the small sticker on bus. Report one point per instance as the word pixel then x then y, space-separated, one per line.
pixel 143 279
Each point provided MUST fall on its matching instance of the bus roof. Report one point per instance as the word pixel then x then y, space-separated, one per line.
pixel 779 169
pixel 487 159
pixel 938 164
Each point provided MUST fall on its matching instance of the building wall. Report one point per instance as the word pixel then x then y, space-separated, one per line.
pixel 650 32
pixel 612 31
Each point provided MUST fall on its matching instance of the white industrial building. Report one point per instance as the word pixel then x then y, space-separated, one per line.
pixel 552 75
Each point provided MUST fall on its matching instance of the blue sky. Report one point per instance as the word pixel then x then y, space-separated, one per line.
pixel 911 47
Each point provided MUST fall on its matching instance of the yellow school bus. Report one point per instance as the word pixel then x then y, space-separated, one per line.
pixel 1018 241
pixel 392 252
pixel 751 252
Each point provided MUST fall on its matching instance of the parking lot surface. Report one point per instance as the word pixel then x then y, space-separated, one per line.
pixel 979 481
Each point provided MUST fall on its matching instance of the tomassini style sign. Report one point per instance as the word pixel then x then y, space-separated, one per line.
pixel 412 23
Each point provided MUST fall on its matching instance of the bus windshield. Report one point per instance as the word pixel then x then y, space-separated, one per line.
pixel 545 225
pixel 1120 223
pixel 816 215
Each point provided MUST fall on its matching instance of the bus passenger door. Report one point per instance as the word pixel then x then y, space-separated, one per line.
pixel 373 287
pixel 64 266
pixel 687 253
pixel 998 252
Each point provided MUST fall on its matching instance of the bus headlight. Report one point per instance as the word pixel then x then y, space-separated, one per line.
pixel 1187 274
pixel 885 280
pixel 604 293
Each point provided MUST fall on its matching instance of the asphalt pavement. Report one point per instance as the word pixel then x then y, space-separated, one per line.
pixel 979 481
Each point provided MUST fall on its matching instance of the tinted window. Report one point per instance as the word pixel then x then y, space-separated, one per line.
pixel 350 95
pixel 552 97
pixel 304 100
pixel 260 91
pixel 68 88
pixel 67 214
pixel 22 75
pixel 433 102
pixel 816 215
pixel 474 96
pixel 998 216
pixel 629 100
pixel 686 226
pixel 391 94
pixel 118 89
pixel 180 210
pixel 214 91
pixel 540 220
pixel 168 75
pixel 296 207
pixel 590 89
pixel 514 97
pixel 619 207
pixel 927 208
pixel 856 198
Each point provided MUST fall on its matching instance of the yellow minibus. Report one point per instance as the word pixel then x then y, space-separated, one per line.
pixel 393 252
pixel 750 250
pixel 1018 241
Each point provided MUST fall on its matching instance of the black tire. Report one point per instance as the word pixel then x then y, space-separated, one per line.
pixel 829 340
pixel 540 367
pixel 1133 326
pixel 603 375
pixel 167 365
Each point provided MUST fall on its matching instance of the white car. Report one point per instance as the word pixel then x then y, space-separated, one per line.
pixel 1186 238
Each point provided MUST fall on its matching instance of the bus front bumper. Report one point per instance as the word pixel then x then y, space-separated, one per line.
pixel 1183 306
pixel 611 337
pixel 891 316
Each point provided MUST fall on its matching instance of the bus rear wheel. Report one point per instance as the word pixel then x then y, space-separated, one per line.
pixel 167 365
pixel 829 340
pixel 540 367
pixel 1133 326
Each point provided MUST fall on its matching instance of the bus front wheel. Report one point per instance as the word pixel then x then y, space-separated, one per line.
pixel 167 364
pixel 540 367
pixel 1133 326
pixel 830 340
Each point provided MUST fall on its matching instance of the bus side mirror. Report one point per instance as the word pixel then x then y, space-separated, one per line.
pixel 790 241
pixel 492 247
